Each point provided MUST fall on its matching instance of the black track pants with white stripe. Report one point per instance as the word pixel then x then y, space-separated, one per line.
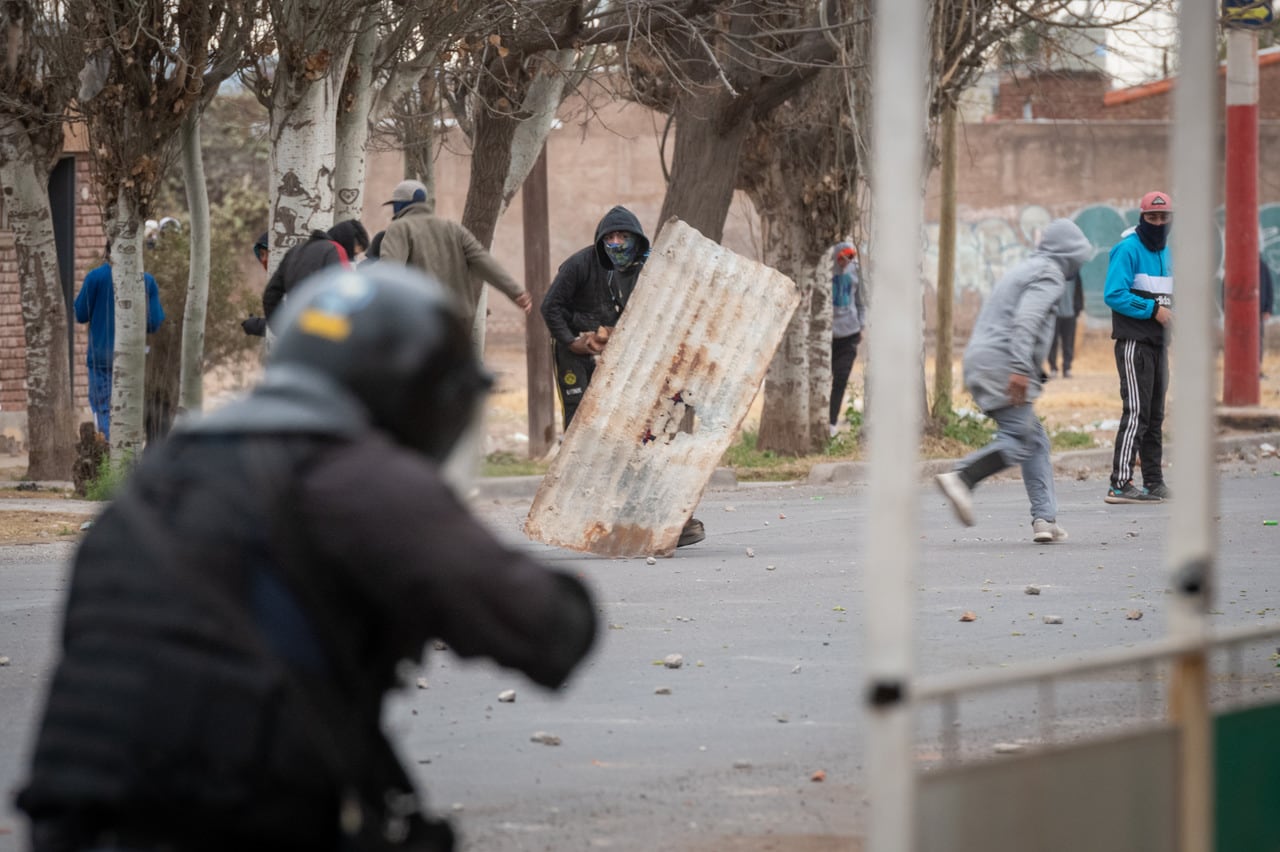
pixel 1144 378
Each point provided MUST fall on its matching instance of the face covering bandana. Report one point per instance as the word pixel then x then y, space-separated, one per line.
pixel 621 252
pixel 1153 236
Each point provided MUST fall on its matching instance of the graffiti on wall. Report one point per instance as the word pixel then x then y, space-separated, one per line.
pixel 987 247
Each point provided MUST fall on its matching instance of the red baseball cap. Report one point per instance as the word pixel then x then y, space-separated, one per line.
pixel 1156 201
pixel 847 252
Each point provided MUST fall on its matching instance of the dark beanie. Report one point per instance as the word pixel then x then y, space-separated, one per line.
pixel 348 234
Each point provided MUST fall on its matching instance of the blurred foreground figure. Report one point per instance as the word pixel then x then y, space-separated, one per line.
pixel 236 616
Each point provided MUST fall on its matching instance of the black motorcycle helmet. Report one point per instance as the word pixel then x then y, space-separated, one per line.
pixel 395 339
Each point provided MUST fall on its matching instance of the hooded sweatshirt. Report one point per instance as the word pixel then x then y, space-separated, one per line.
pixel 1016 324
pixel 1139 281
pixel 588 290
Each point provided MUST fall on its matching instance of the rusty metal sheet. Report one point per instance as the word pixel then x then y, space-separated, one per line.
pixel 690 351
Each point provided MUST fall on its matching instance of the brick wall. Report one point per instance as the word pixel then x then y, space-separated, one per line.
pixel 1060 94
pixel 13 346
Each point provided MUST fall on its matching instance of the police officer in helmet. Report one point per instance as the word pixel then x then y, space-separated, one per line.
pixel 235 617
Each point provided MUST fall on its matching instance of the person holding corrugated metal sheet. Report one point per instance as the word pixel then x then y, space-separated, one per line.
pixel 1002 370
pixel 589 293
pixel 239 613
pixel 585 301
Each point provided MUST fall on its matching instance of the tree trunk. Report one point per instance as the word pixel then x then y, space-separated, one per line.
pixel 542 98
pixel 817 280
pixel 495 129
pixel 302 152
pixel 793 420
pixel 191 381
pixel 942 379
pixel 352 126
pixel 50 406
pixel 704 163
pixel 128 363
pixel 419 151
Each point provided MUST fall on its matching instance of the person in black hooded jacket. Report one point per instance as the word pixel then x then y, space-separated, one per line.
pixel 587 297
pixel 237 616
pixel 338 245
pixel 589 292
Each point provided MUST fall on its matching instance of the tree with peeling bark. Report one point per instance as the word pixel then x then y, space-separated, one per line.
pixel 800 169
pixel 234 33
pixel 297 71
pixel 144 71
pixel 36 85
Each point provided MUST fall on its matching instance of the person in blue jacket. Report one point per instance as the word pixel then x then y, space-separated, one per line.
pixel 96 305
pixel 1139 291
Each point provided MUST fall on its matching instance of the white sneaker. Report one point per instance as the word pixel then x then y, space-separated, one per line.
pixel 832 429
pixel 955 490
pixel 1046 532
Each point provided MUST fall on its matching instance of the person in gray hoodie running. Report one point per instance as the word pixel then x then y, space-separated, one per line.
pixel 1002 370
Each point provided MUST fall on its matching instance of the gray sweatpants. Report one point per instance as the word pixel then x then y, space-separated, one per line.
pixel 1020 440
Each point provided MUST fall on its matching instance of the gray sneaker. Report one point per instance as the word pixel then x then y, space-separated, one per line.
pixel 1130 493
pixel 955 490
pixel 1046 532
pixel 1159 490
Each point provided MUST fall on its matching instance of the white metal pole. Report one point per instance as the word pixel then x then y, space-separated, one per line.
pixel 898 126
pixel 1191 538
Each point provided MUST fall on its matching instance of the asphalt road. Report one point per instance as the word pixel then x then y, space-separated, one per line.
pixel 767 616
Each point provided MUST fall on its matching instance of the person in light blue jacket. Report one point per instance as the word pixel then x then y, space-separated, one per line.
pixel 1002 370
pixel 96 305
pixel 1139 291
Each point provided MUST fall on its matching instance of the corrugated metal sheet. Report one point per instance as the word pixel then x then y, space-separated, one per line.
pixel 692 348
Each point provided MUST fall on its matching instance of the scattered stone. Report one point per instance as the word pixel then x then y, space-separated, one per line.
pixel 1267 450
pixel 782 718
pixel 968 616
pixel 751 554
pixel 1053 619
pixel 796 670
pixel 651 561
pixel 730 509
pixel 507 696
pixel 439 645
pixel 86 525
pixel 770 567
pixel 1032 590
pixel 545 738
pixel 819 776
pixel 1009 748
pixel 4 661
pixel 781 517
pixel 422 683
pixel 662 690
pixel 1134 615
pixel 457 807
pixel 742 764
pixel 673 661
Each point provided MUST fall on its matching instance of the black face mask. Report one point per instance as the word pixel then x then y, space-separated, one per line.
pixel 1153 236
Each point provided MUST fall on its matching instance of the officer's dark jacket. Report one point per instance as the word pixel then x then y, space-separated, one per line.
pixel 587 291
pixel 298 262
pixel 233 621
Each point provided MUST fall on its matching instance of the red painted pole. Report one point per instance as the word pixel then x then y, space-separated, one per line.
pixel 1240 277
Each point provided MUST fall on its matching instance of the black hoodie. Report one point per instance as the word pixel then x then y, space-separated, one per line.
pixel 588 291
